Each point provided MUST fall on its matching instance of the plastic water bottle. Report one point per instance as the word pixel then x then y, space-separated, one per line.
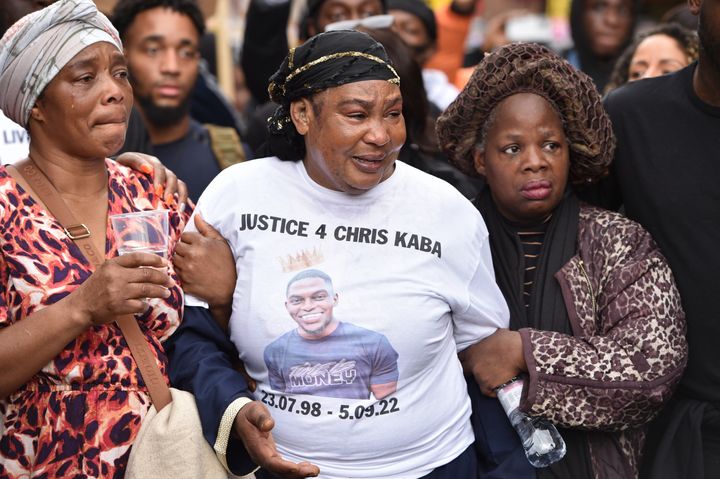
pixel 542 442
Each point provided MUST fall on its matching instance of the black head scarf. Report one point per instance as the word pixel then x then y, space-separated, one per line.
pixel 326 60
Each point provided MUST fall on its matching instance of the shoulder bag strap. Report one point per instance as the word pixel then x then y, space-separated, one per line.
pixel 78 232
pixel 226 145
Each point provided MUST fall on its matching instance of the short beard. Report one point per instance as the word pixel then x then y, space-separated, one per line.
pixel 163 116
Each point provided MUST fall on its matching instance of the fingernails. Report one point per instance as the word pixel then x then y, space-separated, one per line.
pixel 159 190
pixel 145 168
pixel 169 198
pixel 182 207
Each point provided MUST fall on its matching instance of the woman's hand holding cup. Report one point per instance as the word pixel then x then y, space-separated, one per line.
pixel 120 286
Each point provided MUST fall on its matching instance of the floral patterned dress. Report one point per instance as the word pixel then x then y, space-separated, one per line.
pixel 78 416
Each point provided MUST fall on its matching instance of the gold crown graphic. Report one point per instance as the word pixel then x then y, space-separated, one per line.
pixel 301 260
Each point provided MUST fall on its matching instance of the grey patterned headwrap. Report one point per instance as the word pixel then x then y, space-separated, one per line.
pixel 40 44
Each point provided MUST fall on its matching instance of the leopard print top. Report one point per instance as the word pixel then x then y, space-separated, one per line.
pixel 77 416
pixel 628 348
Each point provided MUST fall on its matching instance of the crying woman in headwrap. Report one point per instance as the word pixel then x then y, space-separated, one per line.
pixel 71 396
pixel 596 325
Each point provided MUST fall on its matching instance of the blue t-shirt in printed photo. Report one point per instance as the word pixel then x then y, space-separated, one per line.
pixel 344 364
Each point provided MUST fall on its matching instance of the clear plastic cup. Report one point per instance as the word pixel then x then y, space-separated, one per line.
pixel 141 231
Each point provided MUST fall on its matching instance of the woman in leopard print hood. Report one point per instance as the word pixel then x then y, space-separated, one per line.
pixel 596 322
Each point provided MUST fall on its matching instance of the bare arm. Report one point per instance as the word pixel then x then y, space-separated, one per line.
pixel 495 29
pixel 115 288
pixel 27 346
pixel 382 390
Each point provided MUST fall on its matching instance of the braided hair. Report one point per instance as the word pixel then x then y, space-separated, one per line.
pixel 530 68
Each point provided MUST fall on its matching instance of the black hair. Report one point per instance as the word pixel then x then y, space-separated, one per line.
pixel 311 273
pixel 682 15
pixel 125 11
pixel 422 11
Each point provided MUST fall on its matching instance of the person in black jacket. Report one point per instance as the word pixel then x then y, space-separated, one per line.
pixel 601 29
pixel 666 173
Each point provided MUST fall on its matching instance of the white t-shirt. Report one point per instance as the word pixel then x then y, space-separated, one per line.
pixel 14 141
pixel 410 263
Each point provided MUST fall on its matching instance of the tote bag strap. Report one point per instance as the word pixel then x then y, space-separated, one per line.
pixel 79 233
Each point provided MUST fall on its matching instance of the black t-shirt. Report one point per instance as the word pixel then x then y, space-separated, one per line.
pixel 667 174
pixel 191 158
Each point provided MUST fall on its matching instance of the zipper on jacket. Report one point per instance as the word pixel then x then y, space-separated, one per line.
pixel 592 293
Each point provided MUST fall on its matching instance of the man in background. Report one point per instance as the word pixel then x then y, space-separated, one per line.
pixel 161 40
pixel 666 172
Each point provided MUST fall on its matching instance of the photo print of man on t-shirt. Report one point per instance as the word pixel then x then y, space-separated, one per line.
pixel 324 356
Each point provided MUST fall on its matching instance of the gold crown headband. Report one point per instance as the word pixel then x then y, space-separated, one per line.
pixel 332 56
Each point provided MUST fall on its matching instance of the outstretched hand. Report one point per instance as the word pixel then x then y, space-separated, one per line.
pixel 253 425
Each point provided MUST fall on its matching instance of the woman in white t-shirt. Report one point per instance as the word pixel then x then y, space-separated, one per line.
pixel 358 374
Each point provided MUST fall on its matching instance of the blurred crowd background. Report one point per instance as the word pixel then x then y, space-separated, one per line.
pixel 544 21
